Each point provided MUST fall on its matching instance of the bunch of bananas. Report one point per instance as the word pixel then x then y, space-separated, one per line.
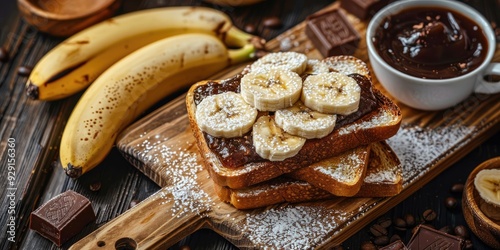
pixel 131 62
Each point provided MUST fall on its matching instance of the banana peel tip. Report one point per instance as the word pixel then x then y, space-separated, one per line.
pixel 72 171
pixel 32 91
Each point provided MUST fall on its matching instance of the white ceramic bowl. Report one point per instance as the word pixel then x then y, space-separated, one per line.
pixel 433 94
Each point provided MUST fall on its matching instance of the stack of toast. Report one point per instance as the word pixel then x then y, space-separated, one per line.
pixel 348 159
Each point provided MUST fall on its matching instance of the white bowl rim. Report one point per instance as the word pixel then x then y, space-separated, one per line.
pixel 466 10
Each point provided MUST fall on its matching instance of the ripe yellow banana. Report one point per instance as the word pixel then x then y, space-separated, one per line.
pixel 132 85
pixel 76 62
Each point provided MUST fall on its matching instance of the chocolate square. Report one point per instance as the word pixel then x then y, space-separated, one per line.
pixel 332 34
pixel 396 245
pixel 62 217
pixel 363 9
pixel 429 238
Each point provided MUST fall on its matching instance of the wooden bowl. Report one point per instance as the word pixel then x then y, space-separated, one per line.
pixel 234 2
pixel 482 226
pixel 65 17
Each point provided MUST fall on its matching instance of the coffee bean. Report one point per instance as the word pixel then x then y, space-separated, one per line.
pixel 446 229
pixel 457 188
pixel 24 70
pixel 378 230
pixel 399 224
pixel 250 28
pixel 381 240
pixel 450 202
pixel 368 245
pixel 394 237
pixel 184 247
pixel 468 244
pixel 461 231
pixel 133 203
pixel 429 215
pixel 94 187
pixel 384 222
pixel 410 220
pixel 4 55
pixel 272 22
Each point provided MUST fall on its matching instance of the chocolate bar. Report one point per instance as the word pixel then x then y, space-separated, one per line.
pixel 363 9
pixel 332 34
pixel 396 245
pixel 62 217
pixel 429 238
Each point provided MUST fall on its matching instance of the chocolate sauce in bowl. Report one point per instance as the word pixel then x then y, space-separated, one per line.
pixel 435 43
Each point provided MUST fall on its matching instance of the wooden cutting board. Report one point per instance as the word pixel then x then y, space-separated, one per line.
pixel 162 147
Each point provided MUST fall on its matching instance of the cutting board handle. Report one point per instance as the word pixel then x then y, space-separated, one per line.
pixel 155 223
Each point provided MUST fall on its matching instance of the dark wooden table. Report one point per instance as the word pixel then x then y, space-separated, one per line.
pixel 36 128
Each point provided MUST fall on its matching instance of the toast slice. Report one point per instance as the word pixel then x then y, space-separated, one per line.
pixel 341 175
pixel 378 119
pixel 384 173
pixel 383 179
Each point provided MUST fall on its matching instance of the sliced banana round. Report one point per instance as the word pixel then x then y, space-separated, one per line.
pixel 291 61
pixel 347 65
pixel 315 66
pixel 331 93
pixel 225 115
pixel 302 121
pixel 273 143
pixel 487 183
pixel 271 90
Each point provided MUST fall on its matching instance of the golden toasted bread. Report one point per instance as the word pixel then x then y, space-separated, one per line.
pixel 341 175
pixel 383 179
pixel 384 173
pixel 383 163
pixel 232 164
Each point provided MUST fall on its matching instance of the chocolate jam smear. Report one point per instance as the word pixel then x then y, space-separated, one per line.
pixel 234 152
pixel 431 43
pixel 214 88
pixel 367 104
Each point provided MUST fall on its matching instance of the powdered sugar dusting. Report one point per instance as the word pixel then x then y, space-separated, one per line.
pixel 384 117
pixel 344 170
pixel 417 147
pixel 281 60
pixel 182 188
pixel 347 65
pixel 387 174
pixel 315 66
pixel 295 227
